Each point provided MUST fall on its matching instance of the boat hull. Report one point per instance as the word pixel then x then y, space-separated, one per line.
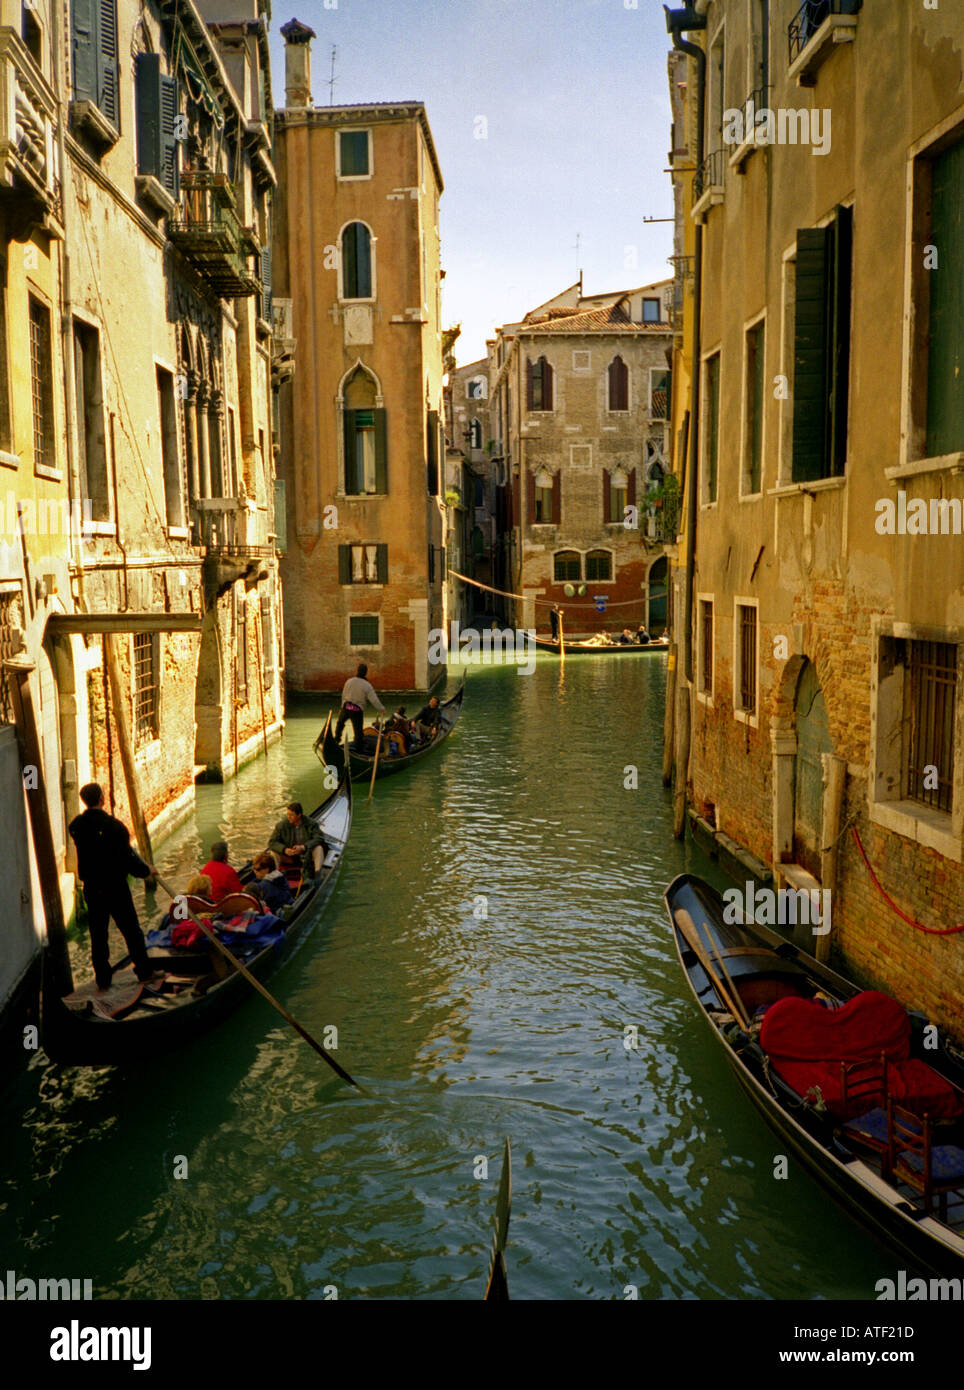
pixel 546 644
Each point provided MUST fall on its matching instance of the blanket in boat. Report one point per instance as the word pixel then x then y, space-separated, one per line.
pixel 247 930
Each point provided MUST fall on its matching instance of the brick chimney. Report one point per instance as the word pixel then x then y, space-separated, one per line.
pixel 297 37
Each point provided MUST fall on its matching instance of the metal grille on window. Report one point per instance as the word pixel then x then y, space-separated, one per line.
pixel 748 659
pixel 707 647
pixel 145 687
pixel 38 375
pixel 363 631
pixel 930 748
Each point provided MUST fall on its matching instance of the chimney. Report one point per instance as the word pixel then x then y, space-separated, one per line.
pixel 297 37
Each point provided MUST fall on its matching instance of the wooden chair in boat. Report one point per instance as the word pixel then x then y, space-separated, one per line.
pixel 861 1084
pixel 913 1158
pixel 233 903
pixel 202 906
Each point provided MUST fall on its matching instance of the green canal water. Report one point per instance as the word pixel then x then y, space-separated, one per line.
pixel 497 925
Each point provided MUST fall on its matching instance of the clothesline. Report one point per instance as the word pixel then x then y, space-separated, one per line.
pixel 547 602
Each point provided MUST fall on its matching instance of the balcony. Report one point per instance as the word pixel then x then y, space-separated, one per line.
pixel 208 233
pixel 29 193
pixel 234 537
pixel 813 32
pixel 744 147
pixel 708 183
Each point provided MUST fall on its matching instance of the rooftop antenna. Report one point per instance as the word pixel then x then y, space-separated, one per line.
pixel 331 79
pixel 578 242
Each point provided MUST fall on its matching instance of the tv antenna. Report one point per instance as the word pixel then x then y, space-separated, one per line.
pixel 331 79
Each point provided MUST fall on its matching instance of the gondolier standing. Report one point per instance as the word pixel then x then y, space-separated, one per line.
pixel 357 693
pixel 554 612
pixel 105 857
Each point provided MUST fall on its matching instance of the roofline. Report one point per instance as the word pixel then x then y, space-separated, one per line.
pixel 362 111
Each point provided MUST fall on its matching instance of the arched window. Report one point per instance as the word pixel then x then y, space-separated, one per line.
pixel 567 564
pixel 618 385
pixel 356 261
pixel 599 564
pixel 365 437
pixel 539 385
pixel 475 434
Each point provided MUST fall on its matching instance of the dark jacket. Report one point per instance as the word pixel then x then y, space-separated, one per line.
pixel 105 855
pixel 275 893
pixel 288 836
pixel 429 716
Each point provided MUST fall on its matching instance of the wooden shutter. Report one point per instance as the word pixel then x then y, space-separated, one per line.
pixel 630 491
pixel 530 392
pixel 810 356
pixel 945 370
pixel 517 499
pixel 83 24
pixel 842 239
pixel 432 432
pixel 431 564
pixel 381 451
pixel 108 73
pixel 353 480
pixel 266 283
pixel 557 499
pixel 381 563
pixel 170 145
pixel 547 375
pixel 147 71
pixel 344 564
pixel 530 497
pixel 607 497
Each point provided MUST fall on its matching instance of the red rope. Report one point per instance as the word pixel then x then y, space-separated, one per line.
pixel 931 931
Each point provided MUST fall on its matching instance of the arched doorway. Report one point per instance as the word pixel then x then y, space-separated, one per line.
pixel 656 621
pixel 813 740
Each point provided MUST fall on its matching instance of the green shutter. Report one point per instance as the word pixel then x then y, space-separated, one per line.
pixel 381 451
pixel 945 370
pixel 266 283
pixel 432 440
pixel 810 356
pixel 842 250
pixel 381 563
pixel 352 481
pixel 108 73
pixel 757 406
pixel 147 71
pixel 607 497
pixel 83 25
pixel 712 424
pixel 169 144
pixel 344 564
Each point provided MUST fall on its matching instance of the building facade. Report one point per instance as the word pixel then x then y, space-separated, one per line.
pixel 363 457
pixel 824 490
pixel 580 397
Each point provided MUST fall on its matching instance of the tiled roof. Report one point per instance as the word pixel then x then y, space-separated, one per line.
pixel 612 319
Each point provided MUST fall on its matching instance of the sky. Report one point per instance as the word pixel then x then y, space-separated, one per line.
pixel 551 121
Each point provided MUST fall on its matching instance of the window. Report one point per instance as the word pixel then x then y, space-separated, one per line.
pixel 145 687
pixel 651 311
pixel 478 492
pixel 945 355
pixel 618 384
pixel 567 564
pixel 91 446
pixel 432 452
pixel 363 564
pixel 539 385
pixel 619 492
pixel 476 389
pixel 363 630
pixel 170 452
pixel 31 33
pixel 659 381
pixel 711 437
pixel 704 674
pixel 354 154
pixel 231 482
pixel 266 284
pixel 267 642
pixel 41 384
pixel 755 404
pixel 356 261
pixel 744 693
pixel 6 425
pixel 929 752
pixel 599 565
pixel 96 76
pixel 821 349
pixel 544 498
pixel 241 644
pixel 542 513
pixel 157 104
pixel 365 452
pixel 475 434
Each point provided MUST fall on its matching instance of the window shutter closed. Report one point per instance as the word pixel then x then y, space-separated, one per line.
pixel 108 73
pixel 840 340
pixel 170 101
pixel 381 451
pixel 557 499
pixel 344 564
pixel 432 449
pixel 945 369
pixel 530 497
pixel 352 480
pixel 810 356
pixel 529 390
pixel 607 497
pixel 83 50
pixel 630 491
pixel 431 564
pixel 147 71
pixel 381 563
pixel 266 283
pixel 547 379
pixel 517 499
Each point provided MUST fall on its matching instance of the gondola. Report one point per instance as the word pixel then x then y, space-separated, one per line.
pixel 129 1023
pixel 838 1116
pixel 361 763
pixel 588 648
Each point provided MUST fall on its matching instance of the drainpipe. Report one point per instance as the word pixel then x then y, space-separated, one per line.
pixel 678 21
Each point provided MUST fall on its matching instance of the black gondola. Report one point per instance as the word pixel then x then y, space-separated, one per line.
pixel 200 993
pixel 362 763
pixel 590 648
pixel 863 1174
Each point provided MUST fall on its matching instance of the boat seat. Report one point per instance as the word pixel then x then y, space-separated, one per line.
pixel 202 906
pixel 933 1170
pixel 233 903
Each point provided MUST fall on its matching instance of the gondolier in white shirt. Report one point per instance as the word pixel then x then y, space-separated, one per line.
pixel 357 693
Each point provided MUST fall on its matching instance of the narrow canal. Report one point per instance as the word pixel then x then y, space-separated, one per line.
pixel 497 925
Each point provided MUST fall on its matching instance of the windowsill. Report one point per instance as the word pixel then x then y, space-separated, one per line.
pixel 52 475
pixel 818 485
pixel 354 178
pixel 711 198
pixel 350 303
pixel 703 699
pixel 921 824
pixel 743 716
pixel 87 118
pixel 751 496
pixel 361 496
pixel 179 533
pixel 543 525
pixel 742 153
pixel 99 528
pixel 835 29
pixel 944 463
pixel 361 584
pixel 9 460
pixel 151 190
pixel 709 506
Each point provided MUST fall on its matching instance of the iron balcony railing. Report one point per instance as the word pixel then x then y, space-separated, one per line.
pixel 754 103
pixel 225 526
pixel 208 232
pixel 708 175
pixel 809 18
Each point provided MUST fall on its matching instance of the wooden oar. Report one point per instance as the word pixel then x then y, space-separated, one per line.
pixel 497 1288
pixel 562 643
pixel 243 970
pixel 717 956
pixel 686 925
pixel 378 749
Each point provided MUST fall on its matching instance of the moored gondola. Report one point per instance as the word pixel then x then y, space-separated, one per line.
pixel 130 1023
pixel 591 648
pixel 363 763
pixel 842 1075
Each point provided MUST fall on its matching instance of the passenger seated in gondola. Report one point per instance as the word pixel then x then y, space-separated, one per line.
pixel 626 638
pixel 271 886
pixel 223 877
pixel 427 720
pixel 642 636
pixel 399 731
pixel 199 887
pixel 297 839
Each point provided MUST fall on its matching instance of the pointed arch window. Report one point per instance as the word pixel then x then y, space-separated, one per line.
pixel 356 261
pixel 618 385
pixel 539 382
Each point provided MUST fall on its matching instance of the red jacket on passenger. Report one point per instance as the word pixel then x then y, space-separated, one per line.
pixel 223 880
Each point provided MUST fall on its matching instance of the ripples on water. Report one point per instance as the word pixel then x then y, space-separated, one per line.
pixel 497 925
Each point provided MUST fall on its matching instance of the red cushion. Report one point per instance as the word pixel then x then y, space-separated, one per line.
pixel 924 1091
pixel 911 1083
pixel 803 1030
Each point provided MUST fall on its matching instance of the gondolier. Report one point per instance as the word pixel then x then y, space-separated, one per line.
pixel 105 857
pixel 554 613
pixel 357 693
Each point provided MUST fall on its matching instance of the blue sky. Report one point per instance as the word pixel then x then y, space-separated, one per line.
pixel 576 106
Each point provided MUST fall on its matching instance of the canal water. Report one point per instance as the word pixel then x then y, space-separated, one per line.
pixel 497 926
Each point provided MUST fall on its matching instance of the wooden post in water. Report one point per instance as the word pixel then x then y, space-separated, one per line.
pixel 126 749
pixel 562 642
pixel 835 780
pixel 669 716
